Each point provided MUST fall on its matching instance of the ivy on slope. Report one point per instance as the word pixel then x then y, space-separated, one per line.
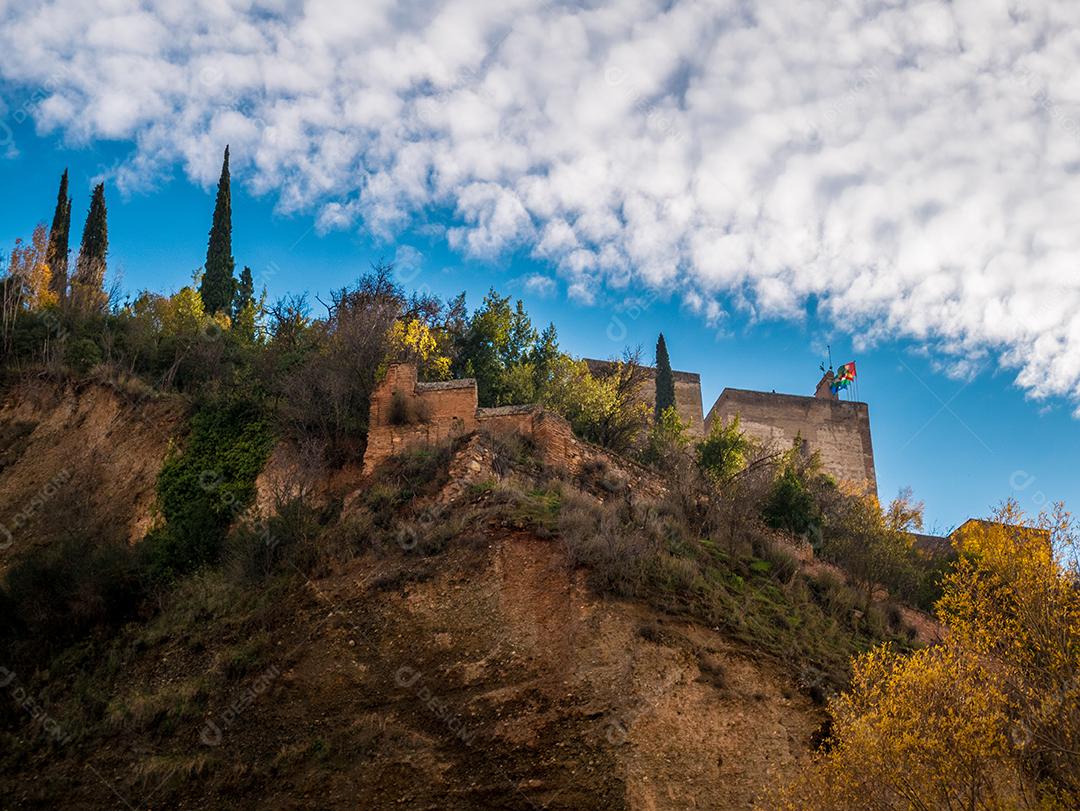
pixel 202 488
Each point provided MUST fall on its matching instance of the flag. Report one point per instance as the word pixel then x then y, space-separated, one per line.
pixel 844 376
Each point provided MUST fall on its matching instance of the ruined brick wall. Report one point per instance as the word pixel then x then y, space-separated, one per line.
pixel 440 411
pixel 687 392
pixel 839 430
pixel 433 412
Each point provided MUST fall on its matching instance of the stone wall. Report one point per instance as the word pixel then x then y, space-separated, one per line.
pixel 441 411
pixel 405 413
pixel 687 392
pixel 839 430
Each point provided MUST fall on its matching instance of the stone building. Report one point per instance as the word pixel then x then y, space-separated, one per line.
pixel 838 430
pixel 406 412
pixel 687 392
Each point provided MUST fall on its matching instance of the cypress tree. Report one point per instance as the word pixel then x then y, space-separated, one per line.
pixel 218 284
pixel 88 282
pixel 665 381
pixel 245 292
pixel 56 254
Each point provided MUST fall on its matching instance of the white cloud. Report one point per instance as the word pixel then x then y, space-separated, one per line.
pixel 539 284
pixel 915 166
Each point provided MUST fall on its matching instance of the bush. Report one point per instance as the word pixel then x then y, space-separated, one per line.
pixel 793 502
pixel 724 452
pixel 60 592
pixel 82 355
pixel 258 547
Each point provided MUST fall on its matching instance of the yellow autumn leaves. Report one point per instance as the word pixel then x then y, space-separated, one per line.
pixel 989 718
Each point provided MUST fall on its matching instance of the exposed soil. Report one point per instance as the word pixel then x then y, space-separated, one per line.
pixel 486 678
pixel 79 456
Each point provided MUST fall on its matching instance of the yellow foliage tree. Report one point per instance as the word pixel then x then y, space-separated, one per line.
pixel 28 265
pixel 990 718
pixel 413 341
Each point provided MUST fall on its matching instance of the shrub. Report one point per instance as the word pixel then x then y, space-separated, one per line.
pixel 724 452
pixel 60 592
pixel 791 506
pixel 82 355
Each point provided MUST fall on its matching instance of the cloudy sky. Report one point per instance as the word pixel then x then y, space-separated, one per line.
pixel 906 173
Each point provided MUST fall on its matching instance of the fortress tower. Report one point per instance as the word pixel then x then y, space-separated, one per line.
pixel 838 430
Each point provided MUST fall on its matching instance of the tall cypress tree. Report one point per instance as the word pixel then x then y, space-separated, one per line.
pixel 88 282
pixel 218 284
pixel 56 254
pixel 665 381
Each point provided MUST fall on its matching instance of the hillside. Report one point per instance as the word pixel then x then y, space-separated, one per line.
pixel 456 656
pixel 80 457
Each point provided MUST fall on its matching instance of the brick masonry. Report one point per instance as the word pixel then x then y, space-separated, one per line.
pixel 435 412
pixel 839 430
pixel 441 411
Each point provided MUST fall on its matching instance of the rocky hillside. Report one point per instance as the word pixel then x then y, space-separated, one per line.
pixel 443 634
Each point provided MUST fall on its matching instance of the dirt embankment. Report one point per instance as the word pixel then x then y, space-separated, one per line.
pixel 80 459
pixel 486 677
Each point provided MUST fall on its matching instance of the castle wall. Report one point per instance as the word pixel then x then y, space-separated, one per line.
pixel 436 411
pixel 687 393
pixel 839 430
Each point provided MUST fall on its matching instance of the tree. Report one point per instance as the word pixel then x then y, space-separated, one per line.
pixel 665 381
pixel 496 349
pixel 87 284
pixel 987 719
pixel 56 256
pixel 724 452
pixel 26 284
pixel 245 292
pixel 791 505
pixel 605 409
pixel 904 513
pixel 667 441
pixel 218 285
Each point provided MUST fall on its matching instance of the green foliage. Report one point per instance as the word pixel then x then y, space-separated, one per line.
pixel 245 292
pixel 667 440
pixel 500 348
pixel 218 284
pixel 95 236
pixel 665 380
pixel 87 284
pixel 202 489
pixel 604 409
pixel 82 355
pixel 724 452
pixel 791 505
pixel 57 255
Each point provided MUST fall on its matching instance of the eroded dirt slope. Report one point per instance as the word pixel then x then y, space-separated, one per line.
pixel 78 458
pixel 484 677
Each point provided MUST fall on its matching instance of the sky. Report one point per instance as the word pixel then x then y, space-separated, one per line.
pixel 757 179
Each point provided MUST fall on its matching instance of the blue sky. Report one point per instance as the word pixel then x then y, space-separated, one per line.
pixel 962 445
pixel 899 178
